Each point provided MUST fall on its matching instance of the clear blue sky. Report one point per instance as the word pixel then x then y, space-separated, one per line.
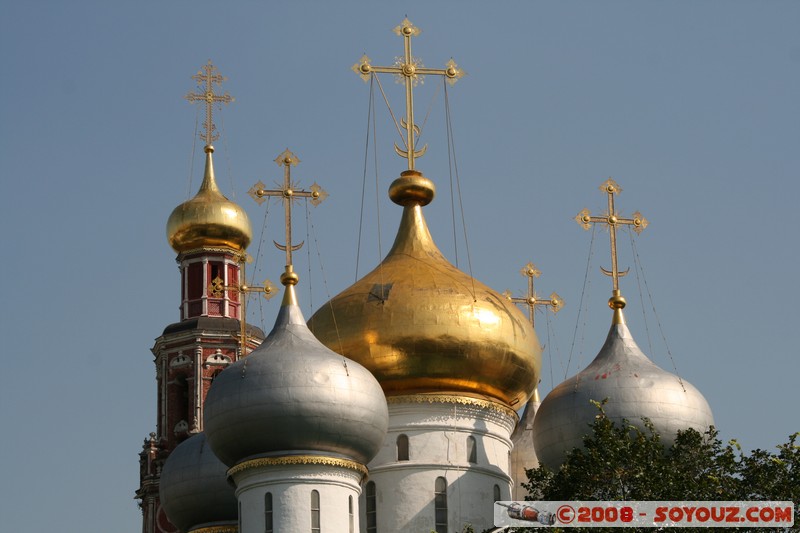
pixel 693 107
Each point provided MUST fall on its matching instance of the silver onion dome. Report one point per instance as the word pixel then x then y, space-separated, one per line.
pixel 194 489
pixel 635 387
pixel 292 395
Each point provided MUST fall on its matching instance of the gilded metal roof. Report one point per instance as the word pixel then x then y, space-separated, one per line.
pixel 209 219
pixel 421 325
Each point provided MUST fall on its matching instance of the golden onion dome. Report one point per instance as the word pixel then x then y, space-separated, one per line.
pixel 420 325
pixel 209 220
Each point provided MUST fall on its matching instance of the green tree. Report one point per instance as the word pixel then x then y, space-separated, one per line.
pixel 768 476
pixel 623 462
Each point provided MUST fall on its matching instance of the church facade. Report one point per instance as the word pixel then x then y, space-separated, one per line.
pixel 394 408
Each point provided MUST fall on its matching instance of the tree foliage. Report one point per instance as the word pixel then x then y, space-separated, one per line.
pixel 624 462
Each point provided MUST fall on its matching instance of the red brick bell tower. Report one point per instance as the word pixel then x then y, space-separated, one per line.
pixel 210 234
pixel 188 355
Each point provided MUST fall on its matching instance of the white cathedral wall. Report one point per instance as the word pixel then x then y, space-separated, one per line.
pixel 438 428
pixel 291 487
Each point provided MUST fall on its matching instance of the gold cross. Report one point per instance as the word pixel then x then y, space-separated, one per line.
pixel 410 70
pixel 206 78
pixel 289 193
pixel 217 289
pixel 532 300
pixel 612 220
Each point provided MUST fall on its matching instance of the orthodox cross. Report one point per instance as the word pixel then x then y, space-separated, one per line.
pixel 206 79
pixel 532 300
pixel 289 193
pixel 612 220
pixel 217 289
pixel 409 70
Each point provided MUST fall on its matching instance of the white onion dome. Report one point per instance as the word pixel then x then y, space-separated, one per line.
pixel 635 387
pixel 294 396
pixel 194 489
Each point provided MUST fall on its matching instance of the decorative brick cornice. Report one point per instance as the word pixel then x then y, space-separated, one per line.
pixel 206 250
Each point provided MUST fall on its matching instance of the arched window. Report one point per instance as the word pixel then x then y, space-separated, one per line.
pixel 472 450
pixel 352 518
pixel 315 518
pixel 440 505
pixel 268 513
pixel 497 493
pixel 402 448
pixel 372 510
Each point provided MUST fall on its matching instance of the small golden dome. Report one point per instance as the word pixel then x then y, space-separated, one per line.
pixel 420 325
pixel 209 220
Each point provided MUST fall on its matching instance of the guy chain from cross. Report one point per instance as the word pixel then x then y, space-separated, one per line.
pixel 531 300
pixel 289 193
pixel 205 82
pixel 612 220
pixel 410 70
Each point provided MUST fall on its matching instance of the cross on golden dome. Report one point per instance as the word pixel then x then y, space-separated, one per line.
pixel 206 79
pixel 531 299
pixel 612 220
pixel 409 70
pixel 289 193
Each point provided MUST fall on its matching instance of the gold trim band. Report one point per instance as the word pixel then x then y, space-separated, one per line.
pixel 451 398
pixel 209 249
pixel 216 529
pixel 298 460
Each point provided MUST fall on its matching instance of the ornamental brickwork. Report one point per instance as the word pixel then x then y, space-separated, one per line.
pixel 188 356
